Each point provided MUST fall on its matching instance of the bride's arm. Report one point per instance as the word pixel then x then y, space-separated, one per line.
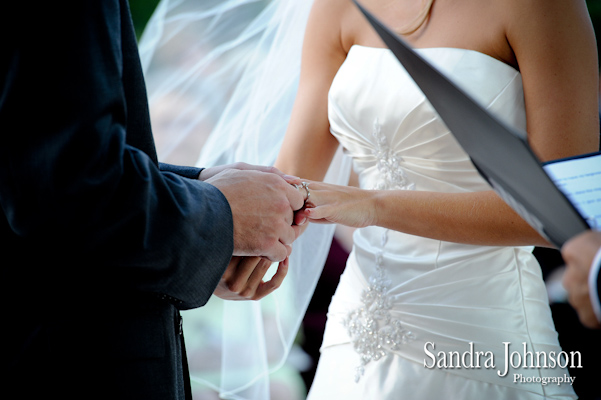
pixel 479 218
pixel 554 44
pixel 308 147
pixel 557 57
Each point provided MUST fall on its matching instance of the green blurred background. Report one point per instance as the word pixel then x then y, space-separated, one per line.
pixel 594 8
pixel 141 11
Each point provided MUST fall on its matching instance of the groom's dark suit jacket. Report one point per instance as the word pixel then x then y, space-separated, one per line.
pixel 101 248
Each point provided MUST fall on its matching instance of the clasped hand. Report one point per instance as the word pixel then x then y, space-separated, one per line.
pixel 243 279
pixel 270 210
pixel 263 201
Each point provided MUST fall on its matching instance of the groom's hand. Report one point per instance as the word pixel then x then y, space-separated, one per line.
pixel 263 205
pixel 243 279
pixel 208 173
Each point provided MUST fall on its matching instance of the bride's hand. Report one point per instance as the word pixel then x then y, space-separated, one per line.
pixel 243 279
pixel 345 205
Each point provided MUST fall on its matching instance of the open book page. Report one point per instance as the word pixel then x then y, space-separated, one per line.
pixel 580 180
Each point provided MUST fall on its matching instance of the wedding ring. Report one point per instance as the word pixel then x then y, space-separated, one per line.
pixel 305 185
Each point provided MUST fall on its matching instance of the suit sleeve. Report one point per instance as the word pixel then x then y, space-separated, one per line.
pixel 185 171
pixel 72 187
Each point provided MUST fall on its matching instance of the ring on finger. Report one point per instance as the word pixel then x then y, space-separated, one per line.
pixel 305 186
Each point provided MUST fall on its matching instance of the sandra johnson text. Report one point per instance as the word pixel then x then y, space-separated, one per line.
pixel 525 358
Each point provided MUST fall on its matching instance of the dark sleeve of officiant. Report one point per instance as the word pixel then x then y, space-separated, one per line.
pixel 101 247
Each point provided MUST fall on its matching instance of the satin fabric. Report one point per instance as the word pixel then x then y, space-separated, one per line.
pixel 400 292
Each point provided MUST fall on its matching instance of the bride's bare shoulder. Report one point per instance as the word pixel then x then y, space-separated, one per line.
pixel 550 33
pixel 555 48
pixel 339 20
pixel 541 17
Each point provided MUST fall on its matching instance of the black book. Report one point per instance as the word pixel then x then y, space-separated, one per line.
pixel 503 157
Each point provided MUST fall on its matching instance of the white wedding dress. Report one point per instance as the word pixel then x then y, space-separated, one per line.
pixel 399 291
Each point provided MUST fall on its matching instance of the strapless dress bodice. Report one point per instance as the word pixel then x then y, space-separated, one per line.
pixel 396 140
pixel 400 291
pixel 391 131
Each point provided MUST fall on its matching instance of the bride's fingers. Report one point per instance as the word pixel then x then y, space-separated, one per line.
pixel 314 212
pixel 320 194
pixel 320 214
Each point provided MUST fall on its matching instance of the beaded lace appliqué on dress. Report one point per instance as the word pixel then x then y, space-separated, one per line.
pixel 371 327
pixel 388 162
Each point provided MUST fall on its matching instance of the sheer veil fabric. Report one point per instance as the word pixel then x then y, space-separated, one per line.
pixel 222 77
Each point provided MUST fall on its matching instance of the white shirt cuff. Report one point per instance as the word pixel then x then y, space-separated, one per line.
pixel 592 283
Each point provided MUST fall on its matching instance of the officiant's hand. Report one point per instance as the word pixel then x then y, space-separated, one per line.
pixel 578 254
pixel 263 205
pixel 243 279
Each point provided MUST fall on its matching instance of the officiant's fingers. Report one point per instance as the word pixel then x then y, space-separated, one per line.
pixel 274 283
pixel 579 297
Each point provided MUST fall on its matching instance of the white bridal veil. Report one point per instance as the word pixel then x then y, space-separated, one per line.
pixel 222 78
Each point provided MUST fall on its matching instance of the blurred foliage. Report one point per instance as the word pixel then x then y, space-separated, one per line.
pixel 141 10
pixel 594 9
